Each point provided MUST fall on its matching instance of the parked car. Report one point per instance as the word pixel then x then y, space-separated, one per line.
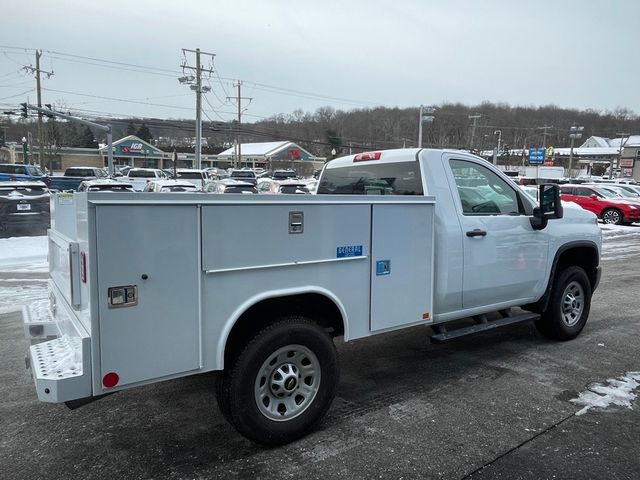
pixel 534 192
pixel 279 174
pixel 622 192
pixel 73 176
pixel 105 185
pixel 197 177
pixel 17 171
pixel 245 176
pixel 138 177
pixel 229 185
pixel 170 185
pixel 608 207
pixel 215 173
pixel 269 186
pixel 24 204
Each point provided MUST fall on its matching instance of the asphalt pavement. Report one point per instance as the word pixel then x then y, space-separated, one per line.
pixel 496 405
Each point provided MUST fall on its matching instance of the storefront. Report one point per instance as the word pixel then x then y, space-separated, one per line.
pixel 135 152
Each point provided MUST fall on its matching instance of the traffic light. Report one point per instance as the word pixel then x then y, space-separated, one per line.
pixel 24 110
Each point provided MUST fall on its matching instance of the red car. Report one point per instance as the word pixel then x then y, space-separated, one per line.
pixel 606 205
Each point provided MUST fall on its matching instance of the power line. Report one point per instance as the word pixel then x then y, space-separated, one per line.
pixel 116 99
pixel 18 95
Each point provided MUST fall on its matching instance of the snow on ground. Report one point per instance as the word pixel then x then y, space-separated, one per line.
pixel 619 241
pixel 615 391
pixel 23 254
pixel 23 267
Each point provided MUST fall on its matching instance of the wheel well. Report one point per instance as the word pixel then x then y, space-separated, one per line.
pixel 314 306
pixel 584 257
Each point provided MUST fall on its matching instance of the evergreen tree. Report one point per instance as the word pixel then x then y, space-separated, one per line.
pixel 72 135
pixel 87 140
pixel 130 130
pixel 144 133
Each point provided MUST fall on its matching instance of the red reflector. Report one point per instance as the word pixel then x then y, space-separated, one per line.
pixel 110 380
pixel 363 157
pixel 83 267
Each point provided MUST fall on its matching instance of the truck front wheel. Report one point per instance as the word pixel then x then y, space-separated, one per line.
pixel 282 384
pixel 569 305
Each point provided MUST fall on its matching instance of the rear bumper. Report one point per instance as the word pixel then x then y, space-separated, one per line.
pixel 59 356
pixel 25 220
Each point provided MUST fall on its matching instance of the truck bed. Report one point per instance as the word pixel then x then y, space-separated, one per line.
pixel 152 284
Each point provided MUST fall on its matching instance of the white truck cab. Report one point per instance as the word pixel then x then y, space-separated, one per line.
pixel 148 287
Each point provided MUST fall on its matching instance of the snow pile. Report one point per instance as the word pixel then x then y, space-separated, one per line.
pixel 619 241
pixel 23 254
pixel 616 391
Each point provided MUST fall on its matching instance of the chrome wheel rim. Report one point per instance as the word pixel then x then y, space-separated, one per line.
pixel 611 217
pixel 572 304
pixel 287 383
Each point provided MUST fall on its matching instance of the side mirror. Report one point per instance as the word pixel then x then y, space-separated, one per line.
pixel 593 196
pixel 550 206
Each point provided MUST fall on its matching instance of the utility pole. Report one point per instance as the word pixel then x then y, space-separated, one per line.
pixel 426 116
pixel 473 128
pixel 622 144
pixel 36 71
pixel 199 89
pixel 544 136
pixel 496 152
pixel 574 132
pixel 238 100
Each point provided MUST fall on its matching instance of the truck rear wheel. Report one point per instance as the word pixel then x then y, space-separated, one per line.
pixel 282 384
pixel 569 305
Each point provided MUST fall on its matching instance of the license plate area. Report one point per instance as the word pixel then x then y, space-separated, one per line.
pixel 22 207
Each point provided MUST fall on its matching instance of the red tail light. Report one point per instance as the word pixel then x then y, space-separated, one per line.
pixel 110 380
pixel 363 157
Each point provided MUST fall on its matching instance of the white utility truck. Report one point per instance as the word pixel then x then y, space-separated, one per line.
pixel 150 287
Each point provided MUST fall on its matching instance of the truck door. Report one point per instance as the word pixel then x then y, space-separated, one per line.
pixel 504 258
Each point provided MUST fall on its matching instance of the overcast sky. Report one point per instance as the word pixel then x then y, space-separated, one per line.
pixel 346 54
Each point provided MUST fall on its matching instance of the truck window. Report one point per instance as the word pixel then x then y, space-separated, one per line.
pixel 401 178
pixel 15 169
pixel 482 192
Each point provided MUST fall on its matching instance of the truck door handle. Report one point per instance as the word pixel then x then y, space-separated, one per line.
pixel 476 233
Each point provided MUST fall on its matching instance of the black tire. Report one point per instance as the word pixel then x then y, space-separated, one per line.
pixel 612 216
pixel 244 383
pixel 563 320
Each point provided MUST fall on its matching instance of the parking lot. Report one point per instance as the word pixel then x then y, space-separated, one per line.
pixel 497 405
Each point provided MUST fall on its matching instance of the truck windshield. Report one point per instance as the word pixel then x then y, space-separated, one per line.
pixel 35 171
pixel 401 178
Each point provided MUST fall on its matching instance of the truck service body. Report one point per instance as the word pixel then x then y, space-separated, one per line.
pixel 149 287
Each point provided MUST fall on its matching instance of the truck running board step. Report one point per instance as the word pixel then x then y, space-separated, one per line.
pixel 444 336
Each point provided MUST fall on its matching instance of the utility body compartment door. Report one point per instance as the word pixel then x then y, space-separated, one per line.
pixel 154 251
pixel 401 265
